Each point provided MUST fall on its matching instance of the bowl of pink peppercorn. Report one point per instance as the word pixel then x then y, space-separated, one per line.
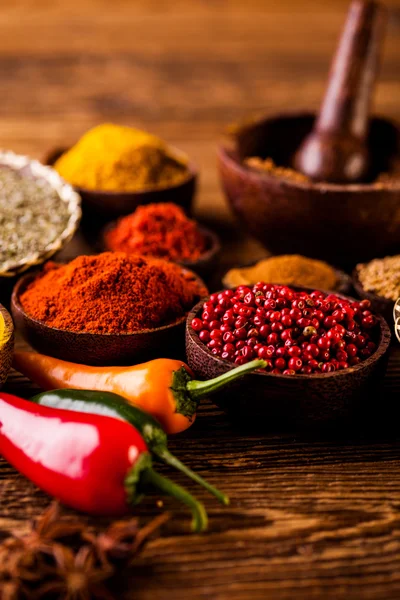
pixel 326 353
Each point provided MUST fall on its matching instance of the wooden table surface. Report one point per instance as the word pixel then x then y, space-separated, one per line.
pixel 309 518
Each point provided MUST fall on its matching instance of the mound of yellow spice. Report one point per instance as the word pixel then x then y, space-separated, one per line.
pixel 117 158
pixel 287 269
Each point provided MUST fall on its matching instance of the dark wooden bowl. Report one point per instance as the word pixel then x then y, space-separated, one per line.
pixel 97 348
pixel 110 205
pixel 343 224
pixel 267 400
pixel 379 304
pixel 202 266
pixel 344 281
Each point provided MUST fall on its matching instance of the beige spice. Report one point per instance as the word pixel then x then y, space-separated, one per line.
pixel 381 276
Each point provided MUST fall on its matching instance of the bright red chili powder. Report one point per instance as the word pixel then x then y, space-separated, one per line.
pixel 111 293
pixel 162 230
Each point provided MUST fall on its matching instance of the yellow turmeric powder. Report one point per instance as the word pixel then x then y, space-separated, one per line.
pixel 288 269
pixel 116 158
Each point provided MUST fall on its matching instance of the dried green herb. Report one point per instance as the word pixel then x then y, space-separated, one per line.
pixel 32 216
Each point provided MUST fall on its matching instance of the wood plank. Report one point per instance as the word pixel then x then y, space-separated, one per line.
pixel 311 517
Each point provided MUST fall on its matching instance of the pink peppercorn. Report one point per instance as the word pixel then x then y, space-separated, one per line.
pixel 295 332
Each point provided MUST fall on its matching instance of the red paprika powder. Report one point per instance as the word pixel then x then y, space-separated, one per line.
pixel 111 293
pixel 161 230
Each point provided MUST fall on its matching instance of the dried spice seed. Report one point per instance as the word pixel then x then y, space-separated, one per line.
pixel 32 216
pixel 65 558
pixel 305 328
pixel 382 276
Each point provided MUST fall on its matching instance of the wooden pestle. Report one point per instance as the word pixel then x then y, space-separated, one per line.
pixel 336 150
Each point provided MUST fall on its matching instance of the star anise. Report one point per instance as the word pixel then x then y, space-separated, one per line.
pixel 66 559
pixel 13 589
pixel 77 576
pixel 123 539
pixel 50 527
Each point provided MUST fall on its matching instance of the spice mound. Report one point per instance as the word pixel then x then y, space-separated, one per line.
pixel 32 216
pixel 267 165
pixel 381 276
pixel 294 332
pixel 111 293
pixel 116 158
pixel 162 230
pixel 287 269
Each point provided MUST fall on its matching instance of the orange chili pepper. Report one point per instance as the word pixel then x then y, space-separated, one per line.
pixel 164 388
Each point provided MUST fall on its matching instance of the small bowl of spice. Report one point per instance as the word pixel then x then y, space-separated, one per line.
pixel 39 213
pixel 290 269
pixel 110 308
pixel 116 168
pixel 6 343
pixel 326 354
pixel 164 231
pixel 379 282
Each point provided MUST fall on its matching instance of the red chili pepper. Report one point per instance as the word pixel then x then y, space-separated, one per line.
pixel 93 463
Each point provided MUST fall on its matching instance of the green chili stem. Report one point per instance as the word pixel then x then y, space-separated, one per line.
pixel 165 485
pixel 200 389
pixel 164 454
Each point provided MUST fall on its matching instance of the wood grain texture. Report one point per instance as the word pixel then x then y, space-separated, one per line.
pixel 309 518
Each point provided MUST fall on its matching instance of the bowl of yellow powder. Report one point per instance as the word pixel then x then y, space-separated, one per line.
pixel 292 270
pixel 6 343
pixel 116 168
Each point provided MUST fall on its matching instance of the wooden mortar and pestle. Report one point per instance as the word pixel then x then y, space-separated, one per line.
pixel 338 212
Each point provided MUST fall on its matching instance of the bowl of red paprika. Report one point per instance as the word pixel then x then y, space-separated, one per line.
pixel 282 397
pixel 83 311
pixel 163 230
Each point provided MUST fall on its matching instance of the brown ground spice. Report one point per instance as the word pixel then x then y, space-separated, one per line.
pixel 287 269
pixel 268 166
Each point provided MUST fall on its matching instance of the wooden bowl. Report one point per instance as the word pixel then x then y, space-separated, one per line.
pixel 266 399
pixel 379 304
pixel 97 348
pixel 203 266
pixel 35 170
pixel 7 346
pixel 396 318
pixel 106 205
pixel 342 224
pixel 343 286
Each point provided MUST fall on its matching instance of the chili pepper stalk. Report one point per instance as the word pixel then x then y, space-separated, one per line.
pixel 188 391
pixel 113 405
pixel 164 388
pixel 93 463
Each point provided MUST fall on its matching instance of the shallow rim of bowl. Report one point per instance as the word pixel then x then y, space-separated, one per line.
pixel 229 154
pixel 382 348
pixel 25 279
pixel 211 236
pixel 342 277
pixel 192 173
pixel 66 193
pixel 209 254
